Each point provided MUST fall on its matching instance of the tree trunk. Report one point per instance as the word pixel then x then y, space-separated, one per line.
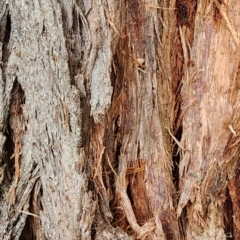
pixel 119 119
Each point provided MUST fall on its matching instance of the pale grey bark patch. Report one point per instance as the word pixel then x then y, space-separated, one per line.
pixel 101 89
pixel 88 5
pixel 100 85
pixel 52 119
pixel 79 80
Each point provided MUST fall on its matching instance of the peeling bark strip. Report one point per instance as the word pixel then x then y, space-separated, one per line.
pixel 119 119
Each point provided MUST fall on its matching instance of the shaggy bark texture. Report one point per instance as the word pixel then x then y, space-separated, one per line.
pixel 119 119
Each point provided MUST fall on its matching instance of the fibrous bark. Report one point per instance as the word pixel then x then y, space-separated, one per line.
pixel 119 119
pixel 210 119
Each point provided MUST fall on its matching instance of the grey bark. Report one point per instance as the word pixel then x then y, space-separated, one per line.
pixel 35 57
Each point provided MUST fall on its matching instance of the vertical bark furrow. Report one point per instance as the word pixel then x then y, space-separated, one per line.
pixel 17 126
pixel 230 214
pixel 5 32
pixel 6 47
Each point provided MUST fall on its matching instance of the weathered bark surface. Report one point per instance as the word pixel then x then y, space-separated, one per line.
pixel 119 119
pixel 210 119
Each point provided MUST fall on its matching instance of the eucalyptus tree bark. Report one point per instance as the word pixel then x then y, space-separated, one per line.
pixel 119 119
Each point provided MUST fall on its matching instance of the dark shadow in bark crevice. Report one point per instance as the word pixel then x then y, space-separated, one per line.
pixel 176 159
pixel 5 38
pixel 112 140
pixel 33 227
pixel 228 216
pixel 11 128
pixel 185 11
pixel 13 131
pixel 8 152
pixel 27 233
pixel 183 223
pixel 93 229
